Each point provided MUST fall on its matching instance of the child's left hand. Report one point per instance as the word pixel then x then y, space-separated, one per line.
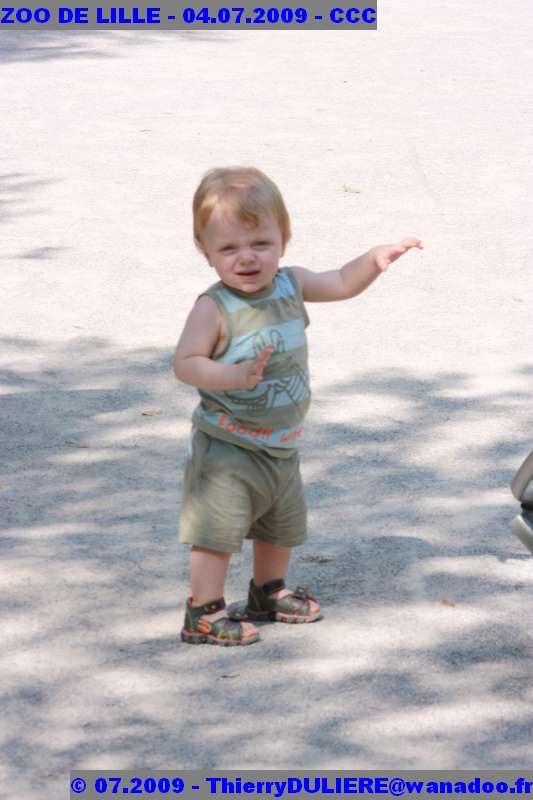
pixel 385 254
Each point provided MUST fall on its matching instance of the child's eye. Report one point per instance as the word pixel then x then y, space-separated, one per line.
pixel 260 244
pixel 227 249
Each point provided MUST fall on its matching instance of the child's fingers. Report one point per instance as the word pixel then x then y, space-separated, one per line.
pixel 411 241
pixel 257 366
pixel 263 356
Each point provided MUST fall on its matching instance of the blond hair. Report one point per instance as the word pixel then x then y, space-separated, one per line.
pixel 244 192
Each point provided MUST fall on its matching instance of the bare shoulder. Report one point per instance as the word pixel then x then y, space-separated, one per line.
pixel 201 331
pixel 205 312
pixel 298 273
pixel 206 306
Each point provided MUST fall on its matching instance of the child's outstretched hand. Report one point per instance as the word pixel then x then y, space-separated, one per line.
pixel 250 372
pixel 385 254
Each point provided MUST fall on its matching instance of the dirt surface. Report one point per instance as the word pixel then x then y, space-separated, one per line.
pixel 421 412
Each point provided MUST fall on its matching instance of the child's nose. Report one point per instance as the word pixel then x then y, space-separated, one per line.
pixel 246 256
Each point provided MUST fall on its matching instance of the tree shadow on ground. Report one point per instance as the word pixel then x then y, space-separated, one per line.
pixel 38 45
pixel 16 196
pixel 423 659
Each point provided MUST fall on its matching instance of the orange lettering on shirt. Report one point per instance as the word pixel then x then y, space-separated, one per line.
pixel 286 437
pixel 242 429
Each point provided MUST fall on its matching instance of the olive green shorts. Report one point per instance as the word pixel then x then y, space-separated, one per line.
pixel 230 494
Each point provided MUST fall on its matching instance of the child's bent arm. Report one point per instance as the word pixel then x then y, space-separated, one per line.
pixel 204 373
pixel 192 360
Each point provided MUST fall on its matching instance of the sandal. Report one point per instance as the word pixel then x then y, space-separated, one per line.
pixel 294 607
pixel 223 631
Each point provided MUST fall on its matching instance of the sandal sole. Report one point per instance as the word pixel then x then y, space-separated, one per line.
pixel 279 616
pixel 200 638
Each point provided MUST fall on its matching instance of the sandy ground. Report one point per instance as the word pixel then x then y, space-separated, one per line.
pixel 421 413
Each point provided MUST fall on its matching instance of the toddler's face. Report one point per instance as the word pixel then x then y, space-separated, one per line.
pixel 245 258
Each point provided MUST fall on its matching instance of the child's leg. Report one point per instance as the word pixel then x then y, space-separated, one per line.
pixel 271 562
pixel 208 574
pixel 215 516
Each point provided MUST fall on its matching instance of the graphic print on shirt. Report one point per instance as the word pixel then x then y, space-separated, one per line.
pixel 294 386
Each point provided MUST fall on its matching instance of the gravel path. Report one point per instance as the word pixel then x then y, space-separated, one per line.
pixel 421 413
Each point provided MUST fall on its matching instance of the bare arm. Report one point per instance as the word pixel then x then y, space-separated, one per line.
pixel 192 360
pixel 354 277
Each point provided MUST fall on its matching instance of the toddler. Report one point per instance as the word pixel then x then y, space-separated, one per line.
pixel 244 348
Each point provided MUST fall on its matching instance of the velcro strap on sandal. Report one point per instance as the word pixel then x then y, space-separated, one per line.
pixel 273 586
pixel 238 615
pixel 212 606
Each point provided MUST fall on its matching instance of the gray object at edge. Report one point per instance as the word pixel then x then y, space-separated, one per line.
pixel 522 489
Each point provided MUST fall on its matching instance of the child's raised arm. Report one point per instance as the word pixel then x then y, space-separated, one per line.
pixel 355 276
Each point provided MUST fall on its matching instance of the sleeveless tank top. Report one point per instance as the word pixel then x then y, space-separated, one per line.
pixel 270 416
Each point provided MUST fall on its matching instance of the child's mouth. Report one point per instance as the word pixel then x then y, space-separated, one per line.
pixel 249 274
